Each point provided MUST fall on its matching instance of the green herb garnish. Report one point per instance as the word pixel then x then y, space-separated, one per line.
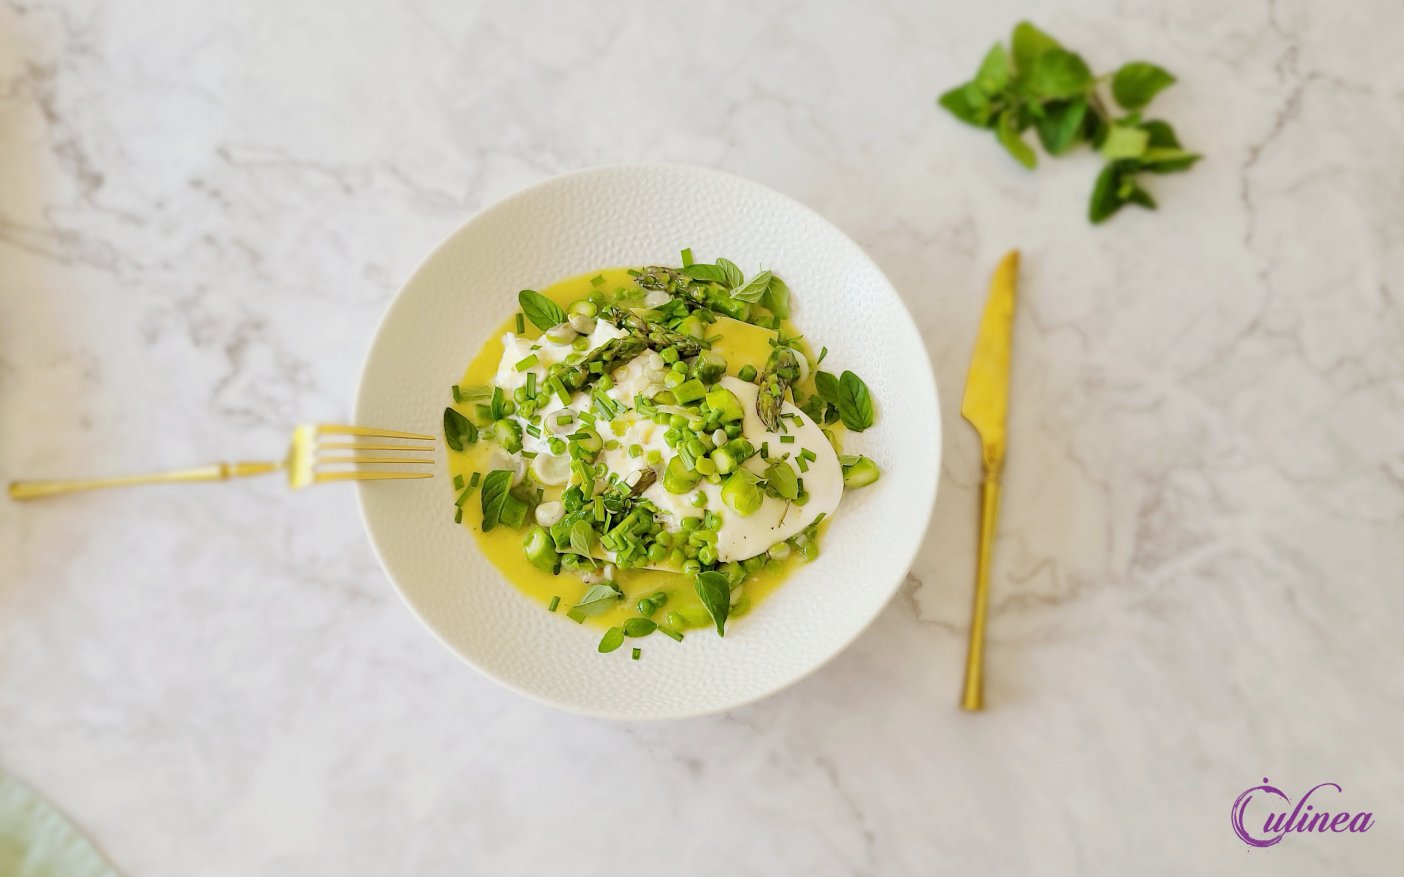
pixel 636 627
pixel 542 312
pixel 555 601
pixel 613 639
pixel 637 653
pixel 597 599
pixel 715 593
pixel 496 491
pixel 458 430
pixel 521 323
pixel 1042 85
pixel 855 403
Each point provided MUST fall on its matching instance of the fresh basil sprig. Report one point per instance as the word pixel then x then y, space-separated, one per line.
pixel 458 430
pixel 1041 85
pixel 855 403
pixel 542 312
pixel 715 594
pixel 496 492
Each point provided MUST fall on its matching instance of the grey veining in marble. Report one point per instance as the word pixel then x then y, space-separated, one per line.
pixel 204 208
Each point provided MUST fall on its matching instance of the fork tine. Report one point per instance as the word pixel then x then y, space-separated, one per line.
pixel 343 429
pixel 324 461
pixel 363 475
pixel 368 446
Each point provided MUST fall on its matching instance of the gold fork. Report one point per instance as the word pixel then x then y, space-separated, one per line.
pixel 306 454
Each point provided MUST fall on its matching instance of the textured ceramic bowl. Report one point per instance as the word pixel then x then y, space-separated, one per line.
pixel 632 216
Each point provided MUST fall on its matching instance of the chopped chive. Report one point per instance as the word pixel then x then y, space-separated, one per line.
pixel 555 601
pixel 531 384
pixel 823 352
pixel 599 508
pixel 458 515
pixel 474 479
pixel 669 632
pixel 533 430
pixel 458 482
pixel 559 389
pixel 530 455
pixel 565 417
pixel 687 257
pixel 597 280
pixel 809 455
pixel 787 439
pixel 457 393
pixel 576 615
pixel 803 464
pixel 637 652
pixel 526 363
pixel 587 418
pixel 521 323
pixel 463 497
pixel 765 451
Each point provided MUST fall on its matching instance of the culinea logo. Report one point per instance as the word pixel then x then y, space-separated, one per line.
pixel 1300 819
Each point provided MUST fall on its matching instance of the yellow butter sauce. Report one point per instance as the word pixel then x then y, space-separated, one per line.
pixel 740 344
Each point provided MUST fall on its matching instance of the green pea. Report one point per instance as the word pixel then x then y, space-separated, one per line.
pixel 656 552
pixel 691 567
pixel 699 499
pixel 707 554
pixel 691 523
pixel 677 421
pixel 675 619
pixel 676 558
pixel 679 368
pixel 747 373
pixel 706 467
pixel 669 354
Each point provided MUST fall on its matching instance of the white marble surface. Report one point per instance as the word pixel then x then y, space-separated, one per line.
pixel 204 207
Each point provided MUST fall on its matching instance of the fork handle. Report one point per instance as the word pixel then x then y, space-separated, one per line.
pixel 22 490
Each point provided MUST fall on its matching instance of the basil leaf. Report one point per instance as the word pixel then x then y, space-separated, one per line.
pixel 1059 73
pixel 1125 142
pixel 827 386
pixel 994 73
pixel 613 639
pixel 1161 135
pixel 1062 125
pixel 1136 83
pixel 582 537
pixel 1008 134
pixel 597 599
pixel 855 403
pixel 753 292
pixel 458 430
pixel 732 275
pixel 715 594
pixel 1029 43
pixel 1106 198
pixel 636 627
pixel 969 104
pixel 1159 160
pixel 711 273
pixel 777 298
pixel 494 495
pixel 781 480
pixel 542 312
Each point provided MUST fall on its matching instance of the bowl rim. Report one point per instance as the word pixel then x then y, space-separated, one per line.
pixel 397 299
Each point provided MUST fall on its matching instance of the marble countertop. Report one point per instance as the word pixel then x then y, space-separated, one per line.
pixel 205 207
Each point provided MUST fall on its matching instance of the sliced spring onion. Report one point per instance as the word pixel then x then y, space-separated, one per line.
pixel 521 323
pixel 597 280
pixel 458 482
pixel 474 479
pixel 555 601
pixel 527 362
pixel 787 439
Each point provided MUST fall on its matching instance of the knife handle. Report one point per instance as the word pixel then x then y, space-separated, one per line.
pixel 972 698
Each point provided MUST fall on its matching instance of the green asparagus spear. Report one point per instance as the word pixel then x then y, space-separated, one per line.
pixel 781 370
pixel 656 335
pixel 611 355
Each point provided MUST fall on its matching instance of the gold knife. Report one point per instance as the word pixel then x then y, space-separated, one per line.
pixel 985 405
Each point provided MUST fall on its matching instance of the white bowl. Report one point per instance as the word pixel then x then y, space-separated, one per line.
pixel 635 215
